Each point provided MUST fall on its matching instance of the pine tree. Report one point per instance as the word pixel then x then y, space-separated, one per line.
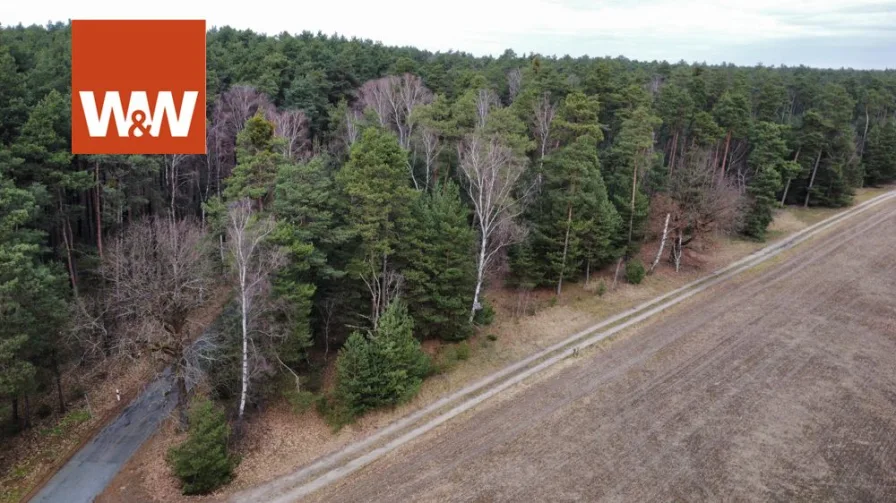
pixel 32 297
pixel 44 157
pixel 375 182
pixel 573 223
pixel 386 367
pixel 13 110
pixel 732 113
pixel 257 163
pixel 880 154
pixel 305 207
pixel 203 462
pixel 763 189
pixel 768 165
pixel 629 157
pixel 438 264
pixel 578 117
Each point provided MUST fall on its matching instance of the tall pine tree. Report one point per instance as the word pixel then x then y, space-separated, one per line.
pixel 438 264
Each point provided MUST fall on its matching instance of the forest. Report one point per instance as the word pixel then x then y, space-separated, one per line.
pixel 357 199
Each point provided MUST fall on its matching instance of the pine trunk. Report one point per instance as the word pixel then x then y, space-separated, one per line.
pixel 786 188
pixel 631 216
pixel 787 185
pixel 616 274
pixel 98 211
pixel 565 249
pixel 725 155
pixel 674 150
pixel 58 377
pixel 864 135
pixel 812 179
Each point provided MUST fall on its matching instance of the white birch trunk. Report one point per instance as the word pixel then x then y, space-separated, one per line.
pixel 662 243
pixel 480 273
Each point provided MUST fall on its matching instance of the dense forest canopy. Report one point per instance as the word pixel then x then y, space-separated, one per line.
pixel 342 175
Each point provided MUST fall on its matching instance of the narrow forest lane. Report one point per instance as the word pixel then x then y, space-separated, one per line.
pixel 88 472
pixel 777 385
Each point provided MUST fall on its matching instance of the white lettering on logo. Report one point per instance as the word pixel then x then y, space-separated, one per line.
pixel 178 121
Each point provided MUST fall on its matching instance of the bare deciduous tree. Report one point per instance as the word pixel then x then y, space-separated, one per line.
pixel 492 172
pixel 292 127
pixel 352 131
pixel 384 286
pixel 486 99
pixel 158 273
pixel 173 163
pixel 699 205
pixel 545 111
pixel 237 105
pixel 514 83
pixel 231 111
pixel 432 148
pixel 392 99
pixel 376 95
pixel 252 263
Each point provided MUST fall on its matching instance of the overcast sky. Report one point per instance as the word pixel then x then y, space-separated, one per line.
pixel 821 33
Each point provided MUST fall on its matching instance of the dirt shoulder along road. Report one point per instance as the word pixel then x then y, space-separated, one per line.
pixel 778 384
pixel 86 474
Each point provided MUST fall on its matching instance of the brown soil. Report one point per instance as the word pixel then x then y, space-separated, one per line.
pixel 779 385
pixel 40 454
pixel 282 441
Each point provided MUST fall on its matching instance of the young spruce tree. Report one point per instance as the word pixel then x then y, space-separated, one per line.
pixel 385 367
pixel 203 462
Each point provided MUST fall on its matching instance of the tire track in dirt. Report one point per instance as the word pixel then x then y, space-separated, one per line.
pixel 768 402
pixel 336 464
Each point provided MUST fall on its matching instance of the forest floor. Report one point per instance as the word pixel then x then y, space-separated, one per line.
pixel 279 440
pixel 30 458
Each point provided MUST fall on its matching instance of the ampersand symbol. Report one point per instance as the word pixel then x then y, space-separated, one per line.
pixel 138 118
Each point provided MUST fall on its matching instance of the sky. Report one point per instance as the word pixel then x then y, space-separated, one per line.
pixel 818 33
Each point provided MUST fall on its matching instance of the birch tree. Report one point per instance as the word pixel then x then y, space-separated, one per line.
pixel 545 111
pixel 291 126
pixel 251 262
pixel 393 99
pixel 492 173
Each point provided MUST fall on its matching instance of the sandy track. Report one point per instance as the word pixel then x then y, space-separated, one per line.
pixel 776 386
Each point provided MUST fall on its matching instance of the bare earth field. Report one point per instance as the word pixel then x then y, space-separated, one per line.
pixel 779 385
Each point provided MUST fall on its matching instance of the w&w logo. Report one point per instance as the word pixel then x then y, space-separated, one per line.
pixel 145 96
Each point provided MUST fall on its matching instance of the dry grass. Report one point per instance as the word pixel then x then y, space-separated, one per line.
pixel 279 441
pixel 29 458
pixel 765 385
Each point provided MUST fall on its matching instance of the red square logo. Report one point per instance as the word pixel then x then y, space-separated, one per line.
pixel 138 87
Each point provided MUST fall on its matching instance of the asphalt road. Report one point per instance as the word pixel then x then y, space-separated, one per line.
pixel 779 385
pixel 88 472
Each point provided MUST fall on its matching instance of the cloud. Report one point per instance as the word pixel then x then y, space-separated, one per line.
pixel 711 30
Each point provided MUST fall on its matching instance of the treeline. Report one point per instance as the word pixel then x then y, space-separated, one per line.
pixel 362 193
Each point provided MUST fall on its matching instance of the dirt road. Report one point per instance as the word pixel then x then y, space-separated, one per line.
pixel 779 385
